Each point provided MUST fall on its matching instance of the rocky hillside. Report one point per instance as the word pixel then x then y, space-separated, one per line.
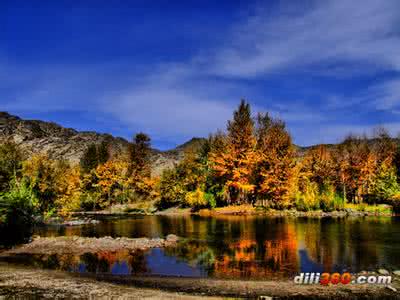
pixel 36 136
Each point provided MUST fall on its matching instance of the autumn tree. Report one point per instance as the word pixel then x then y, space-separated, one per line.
pixel 41 174
pixel 111 182
pixel 356 163
pixel 235 162
pixel 384 147
pixel 318 163
pixel 274 160
pixel 68 190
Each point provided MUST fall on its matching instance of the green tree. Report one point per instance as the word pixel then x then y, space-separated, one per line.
pixel 172 189
pixel 103 154
pixel 11 158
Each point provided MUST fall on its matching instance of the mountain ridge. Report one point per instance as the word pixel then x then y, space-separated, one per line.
pixel 37 136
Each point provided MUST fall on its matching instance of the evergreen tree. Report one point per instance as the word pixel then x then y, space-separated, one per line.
pixel 89 160
pixel 103 154
pixel 140 155
pixel 139 165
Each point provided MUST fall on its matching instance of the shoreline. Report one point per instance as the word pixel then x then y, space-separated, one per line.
pixel 23 281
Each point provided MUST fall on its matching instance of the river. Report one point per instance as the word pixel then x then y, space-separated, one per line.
pixel 245 247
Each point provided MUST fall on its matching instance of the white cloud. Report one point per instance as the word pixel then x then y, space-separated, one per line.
pixel 337 31
pixel 173 102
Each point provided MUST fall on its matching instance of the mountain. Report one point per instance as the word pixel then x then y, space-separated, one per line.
pixel 36 136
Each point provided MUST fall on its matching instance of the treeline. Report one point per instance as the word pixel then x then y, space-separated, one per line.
pixel 256 162
pixel 253 162
pixel 39 187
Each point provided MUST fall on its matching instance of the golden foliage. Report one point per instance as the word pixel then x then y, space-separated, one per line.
pixel 69 191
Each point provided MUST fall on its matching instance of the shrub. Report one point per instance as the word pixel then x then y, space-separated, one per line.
pixel 89 200
pixel 212 203
pixel 17 210
pixel 330 200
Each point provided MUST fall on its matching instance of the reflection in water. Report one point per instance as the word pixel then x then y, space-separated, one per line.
pixel 239 246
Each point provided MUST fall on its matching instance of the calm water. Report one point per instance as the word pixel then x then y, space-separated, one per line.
pixel 238 246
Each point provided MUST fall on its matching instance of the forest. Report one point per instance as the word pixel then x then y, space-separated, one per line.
pixel 252 162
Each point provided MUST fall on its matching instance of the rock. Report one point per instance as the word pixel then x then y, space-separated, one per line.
pixel 397 272
pixel 383 272
pixel 172 238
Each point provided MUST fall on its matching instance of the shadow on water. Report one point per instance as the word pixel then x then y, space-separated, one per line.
pixel 235 246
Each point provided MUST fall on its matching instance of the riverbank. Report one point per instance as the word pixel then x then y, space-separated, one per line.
pixel 22 282
pixel 350 211
pixel 17 282
pixel 381 210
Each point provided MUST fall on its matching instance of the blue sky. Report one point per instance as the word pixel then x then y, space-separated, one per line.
pixel 177 69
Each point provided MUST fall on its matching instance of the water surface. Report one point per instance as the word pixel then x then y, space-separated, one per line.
pixel 253 247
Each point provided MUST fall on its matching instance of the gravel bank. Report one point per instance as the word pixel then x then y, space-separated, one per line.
pixel 21 282
pixel 26 283
pixel 80 245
